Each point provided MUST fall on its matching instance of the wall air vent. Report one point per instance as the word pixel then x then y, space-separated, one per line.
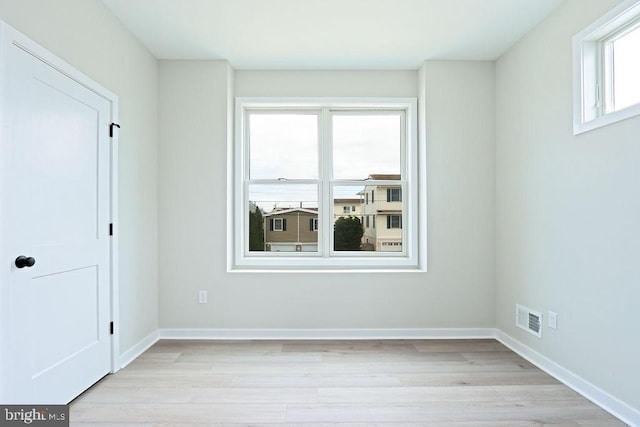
pixel 529 320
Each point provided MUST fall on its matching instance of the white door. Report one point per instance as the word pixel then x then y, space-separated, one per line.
pixel 55 212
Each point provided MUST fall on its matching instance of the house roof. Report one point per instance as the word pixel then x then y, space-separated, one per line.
pixel 348 201
pixel 313 211
pixel 385 177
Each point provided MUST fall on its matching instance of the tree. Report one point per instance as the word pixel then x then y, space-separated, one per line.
pixel 256 230
pixel 347 234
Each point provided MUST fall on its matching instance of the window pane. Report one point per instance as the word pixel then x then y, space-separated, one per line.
pixel 365 145
pixel 384 233
pixel 283 146
pixel 378 218
pixel 626 70
pixel 283 218
pixel 347 222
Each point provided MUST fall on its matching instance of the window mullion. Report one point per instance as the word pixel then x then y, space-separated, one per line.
pixel 605 85
pixel 244 218
pixel 326 144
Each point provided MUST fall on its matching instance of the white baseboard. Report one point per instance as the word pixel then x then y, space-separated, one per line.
pixel 595 394
pixel 310 334
pixel 137 349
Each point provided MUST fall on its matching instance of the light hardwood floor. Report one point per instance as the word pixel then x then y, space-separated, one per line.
pixel 350 383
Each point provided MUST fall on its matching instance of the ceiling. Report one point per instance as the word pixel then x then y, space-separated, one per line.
pixel 330 34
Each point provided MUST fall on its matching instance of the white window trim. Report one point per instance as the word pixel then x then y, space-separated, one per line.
pixel 588 98
pixel 414 163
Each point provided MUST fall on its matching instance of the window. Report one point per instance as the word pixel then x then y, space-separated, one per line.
pixel 296 163
pixel 606 66
pixel 278 224
pixel 394 221
pixel 394 195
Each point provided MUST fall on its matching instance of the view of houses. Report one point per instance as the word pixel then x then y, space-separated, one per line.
pixel 382 216
pixel 291 230
pixel 378 209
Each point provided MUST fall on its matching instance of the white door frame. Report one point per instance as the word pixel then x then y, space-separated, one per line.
pixel 10 37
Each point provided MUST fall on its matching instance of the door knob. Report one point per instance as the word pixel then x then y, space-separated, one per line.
pixel 23 261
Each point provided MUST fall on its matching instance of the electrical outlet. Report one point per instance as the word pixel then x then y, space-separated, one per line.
pixel 202 297
pixel 553 320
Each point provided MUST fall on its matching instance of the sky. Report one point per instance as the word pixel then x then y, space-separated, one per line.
pixel 285 146
pixel 627 70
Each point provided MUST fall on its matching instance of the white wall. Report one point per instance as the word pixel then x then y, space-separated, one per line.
pixel 85 34
pixel 568 210
pixel 327 83
pixel 192 190
pixel 458 290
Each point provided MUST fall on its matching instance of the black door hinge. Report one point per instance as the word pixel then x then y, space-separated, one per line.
pixel 111 328
pixel 111 229
pixel 111 126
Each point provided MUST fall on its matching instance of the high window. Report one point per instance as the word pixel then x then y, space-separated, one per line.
pixel 297 162
pixel 606 69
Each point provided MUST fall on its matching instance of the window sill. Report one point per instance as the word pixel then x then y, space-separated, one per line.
pixel 298 270
pixel 608 119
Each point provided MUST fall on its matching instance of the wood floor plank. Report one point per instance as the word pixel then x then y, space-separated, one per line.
pixel 297 368
pixel 483 356
pixel 159 357
pixel 323 380
pixel 144 365
pixel 530 377
pixel 532 392
pixel 446 367
pixel 393 357
pixel 218 347
pixel 212 357
pixel 151 379
pixel 407 394
pixel 189 394
pixel 350 347
pixel 545 411
pixel 459 346
pixel 448 394
pixel 178 414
